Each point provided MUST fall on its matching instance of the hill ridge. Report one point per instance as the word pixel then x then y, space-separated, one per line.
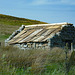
pixel 12 20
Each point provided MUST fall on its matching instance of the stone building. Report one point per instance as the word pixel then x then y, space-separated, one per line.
pixel 43 36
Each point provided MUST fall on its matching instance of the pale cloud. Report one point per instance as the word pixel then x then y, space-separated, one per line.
pixel 45 2
pixel 39 2
pixel 69 2
pixel 48 2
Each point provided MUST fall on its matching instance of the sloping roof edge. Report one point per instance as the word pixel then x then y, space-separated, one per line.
pixel 36 25
pixel 64 23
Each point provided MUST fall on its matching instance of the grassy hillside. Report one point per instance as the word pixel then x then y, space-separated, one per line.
pixel 9 24
pixel 10 20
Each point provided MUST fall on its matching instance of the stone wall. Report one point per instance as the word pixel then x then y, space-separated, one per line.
pixel 66 35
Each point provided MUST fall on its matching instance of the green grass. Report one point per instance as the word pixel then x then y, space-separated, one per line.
pixel 6 31
pixel 14 61
pixel 11 20
pixel 3 37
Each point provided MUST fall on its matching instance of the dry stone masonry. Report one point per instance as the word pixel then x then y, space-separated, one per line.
pixel 43 36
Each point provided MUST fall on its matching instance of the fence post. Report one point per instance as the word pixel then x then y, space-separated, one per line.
pixel 66 60
pixel 0 43
pixel 71 47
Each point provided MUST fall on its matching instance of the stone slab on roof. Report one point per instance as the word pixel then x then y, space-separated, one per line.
pixel 37 33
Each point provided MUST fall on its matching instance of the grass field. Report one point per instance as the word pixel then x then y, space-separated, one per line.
pixel 14 61
pixel 6 31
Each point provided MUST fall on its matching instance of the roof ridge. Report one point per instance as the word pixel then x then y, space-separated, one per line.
pixel 63 23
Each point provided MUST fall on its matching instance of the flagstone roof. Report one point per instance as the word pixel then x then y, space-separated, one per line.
pixel 37 33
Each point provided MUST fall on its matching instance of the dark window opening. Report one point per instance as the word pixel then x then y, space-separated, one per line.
pixel 68 42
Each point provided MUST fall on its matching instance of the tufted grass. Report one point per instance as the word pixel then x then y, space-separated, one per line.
pixel 20 62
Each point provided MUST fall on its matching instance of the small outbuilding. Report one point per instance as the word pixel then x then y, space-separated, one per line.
pixel 43 36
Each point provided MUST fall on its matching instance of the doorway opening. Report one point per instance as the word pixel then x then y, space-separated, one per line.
pixel 68 42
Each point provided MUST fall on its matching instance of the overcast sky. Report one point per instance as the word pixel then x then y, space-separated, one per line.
pixel 50 11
